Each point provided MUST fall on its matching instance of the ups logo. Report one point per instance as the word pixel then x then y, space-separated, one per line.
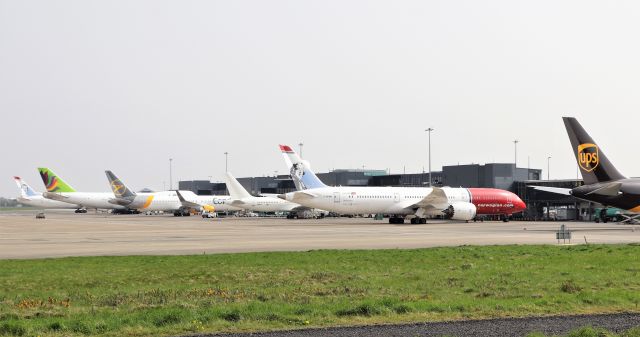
pixel 588 158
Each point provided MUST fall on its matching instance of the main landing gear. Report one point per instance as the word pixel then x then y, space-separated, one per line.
pixel 396 220
pixel 181 212
pixel 505 218
pixel 418 221
pixel 80 210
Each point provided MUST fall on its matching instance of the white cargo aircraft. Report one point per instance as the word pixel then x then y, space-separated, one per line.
pixel 28 196
pixel 414 202
pixel 240 197
pixel 59 190
pixel 178 202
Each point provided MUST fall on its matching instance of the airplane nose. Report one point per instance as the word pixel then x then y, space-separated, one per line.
pixel 520 205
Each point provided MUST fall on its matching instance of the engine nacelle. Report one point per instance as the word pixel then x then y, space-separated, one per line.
pixel 461 211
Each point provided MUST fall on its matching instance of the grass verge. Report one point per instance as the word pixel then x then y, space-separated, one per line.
pixel 169 295
pixel 594 332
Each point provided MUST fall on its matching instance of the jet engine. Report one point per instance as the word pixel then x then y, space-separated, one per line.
pixel 460 211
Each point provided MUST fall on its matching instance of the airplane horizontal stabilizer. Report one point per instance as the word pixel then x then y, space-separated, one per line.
pixel 556 190
pixel 120 201
pixel 612 189
pixel 54 196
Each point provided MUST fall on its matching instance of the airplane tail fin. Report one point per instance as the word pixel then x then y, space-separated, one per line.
pixel 594 165
pixel 25 190
pixel 52 182
pixel 300 170
pixel 119 189
pixel 236 190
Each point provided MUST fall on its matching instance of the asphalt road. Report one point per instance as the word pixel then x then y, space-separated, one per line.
pixel 64 233
pixel 508 327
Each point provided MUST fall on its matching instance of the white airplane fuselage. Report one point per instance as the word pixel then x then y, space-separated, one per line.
pixel 157 201
pixel 41 202
pixel 265 204
pixel 169 201
pixel 399 200
pixel 85 199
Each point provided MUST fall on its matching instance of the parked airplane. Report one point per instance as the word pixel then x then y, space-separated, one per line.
pixel 240 197
pixel 59 190
pixel 414 202
pixel 28 196
pixel 166 201
pixel 603 183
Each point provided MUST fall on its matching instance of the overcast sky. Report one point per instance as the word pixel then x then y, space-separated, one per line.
pixel 125 85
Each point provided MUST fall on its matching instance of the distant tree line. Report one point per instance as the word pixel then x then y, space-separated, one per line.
pixel 4 202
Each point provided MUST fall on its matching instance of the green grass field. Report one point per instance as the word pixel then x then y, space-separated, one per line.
pixel 169 295
pixel 595 332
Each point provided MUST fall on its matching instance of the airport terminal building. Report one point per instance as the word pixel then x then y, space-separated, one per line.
pixel 540 205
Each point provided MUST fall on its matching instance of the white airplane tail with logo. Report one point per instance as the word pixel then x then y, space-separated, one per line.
pixel 300 170
pixel 25 190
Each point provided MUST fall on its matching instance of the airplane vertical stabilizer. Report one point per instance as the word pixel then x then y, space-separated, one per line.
pixel 119 189
pixel 236 190
pixel 52 182
pixel 300 170
pixel 25 190
pixel 594 165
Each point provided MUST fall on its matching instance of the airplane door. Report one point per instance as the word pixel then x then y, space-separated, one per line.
pixel 336 197
pixel 396 197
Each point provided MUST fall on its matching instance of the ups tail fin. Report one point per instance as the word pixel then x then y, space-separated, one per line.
pixel 25 190
pixel 236 190
pixel 119 189
pixel 300 170
pixel 594 164
pixel 52 182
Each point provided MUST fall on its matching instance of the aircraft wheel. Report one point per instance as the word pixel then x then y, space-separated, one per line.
pixel 423 221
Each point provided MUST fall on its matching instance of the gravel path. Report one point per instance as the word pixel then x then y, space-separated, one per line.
pixel 491 327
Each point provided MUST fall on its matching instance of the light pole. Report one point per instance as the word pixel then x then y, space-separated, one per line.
pixel 515 156
pixel 226 162
pixel 300 144
pixel 548 171
pixel 429 131
pixel 170 174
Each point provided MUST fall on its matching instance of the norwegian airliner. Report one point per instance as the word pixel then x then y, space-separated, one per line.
pixel 414 203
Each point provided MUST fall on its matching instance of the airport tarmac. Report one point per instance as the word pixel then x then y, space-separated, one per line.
pixel 64 233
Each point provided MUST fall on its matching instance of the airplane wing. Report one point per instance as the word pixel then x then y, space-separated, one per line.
pixel 186 203
pixel 556 190
pixel 437 199
pixel 189 204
